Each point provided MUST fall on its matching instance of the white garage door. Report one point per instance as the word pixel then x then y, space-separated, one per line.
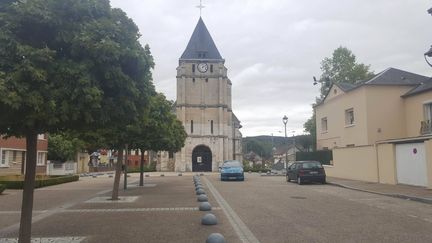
pixel 411 164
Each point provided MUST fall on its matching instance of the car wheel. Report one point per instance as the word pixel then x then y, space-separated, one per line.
pixel 299 180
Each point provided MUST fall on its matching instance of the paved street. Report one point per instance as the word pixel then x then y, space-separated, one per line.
pixel 260 209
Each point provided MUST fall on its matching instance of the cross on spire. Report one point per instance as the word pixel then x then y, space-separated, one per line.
pixel 200 6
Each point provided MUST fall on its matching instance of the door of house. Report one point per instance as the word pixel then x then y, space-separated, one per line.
pixel 411 164
pixel 201 158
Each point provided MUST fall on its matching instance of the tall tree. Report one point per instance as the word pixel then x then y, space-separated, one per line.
pixel 158 130
pixel 67 64
pixel 341 67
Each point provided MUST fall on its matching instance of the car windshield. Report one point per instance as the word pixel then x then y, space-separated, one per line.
pixel 232 164
pixel 311 165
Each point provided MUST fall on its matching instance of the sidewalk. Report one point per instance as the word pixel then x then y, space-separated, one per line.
pixel 414 193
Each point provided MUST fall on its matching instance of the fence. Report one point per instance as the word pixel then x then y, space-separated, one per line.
pixel 323 156
pixel 66 168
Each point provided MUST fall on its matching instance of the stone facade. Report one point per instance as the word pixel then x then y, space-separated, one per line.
pixel 204 107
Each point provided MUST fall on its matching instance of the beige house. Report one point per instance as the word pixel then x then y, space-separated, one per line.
pixel 204 107
pixel 380 129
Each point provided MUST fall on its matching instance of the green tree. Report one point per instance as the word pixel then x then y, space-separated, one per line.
pixel 158 130
pixel 63 147
pixel 310 127
pixel 67 64
pixel 341 67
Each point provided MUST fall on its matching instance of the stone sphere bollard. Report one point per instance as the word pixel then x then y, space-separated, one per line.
pixel 200 191
pixel 209 219
pixel 199 187
pixel 215 238
pixel 205 206
pixel 202 198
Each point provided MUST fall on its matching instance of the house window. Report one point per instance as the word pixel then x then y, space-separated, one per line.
pixel 4 159
pixel 41 158
pixel 349 117
pixel 324 124
pixel 191 126
pixel 211 68
pixel 170 155
pixel 211 126
pixel 427 111
pixel 206 80
pixel 193 68
pixel 193 80
pixel 41 137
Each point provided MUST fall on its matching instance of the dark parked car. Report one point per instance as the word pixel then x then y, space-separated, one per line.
pixel 306 171
pixel 232 170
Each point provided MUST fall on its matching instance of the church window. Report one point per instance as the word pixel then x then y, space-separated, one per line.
pixel 193 68
pixel 211 68
pixel 191 126
pixel 211 126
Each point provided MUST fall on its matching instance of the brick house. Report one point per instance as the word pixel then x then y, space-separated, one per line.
pixel 12 155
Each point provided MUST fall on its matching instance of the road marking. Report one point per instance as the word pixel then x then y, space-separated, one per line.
pixel 428 220
pixel 412 216
pixel 98 210
pixel 46 240
pixel 15 227
pixel 365 199
pixel 243 232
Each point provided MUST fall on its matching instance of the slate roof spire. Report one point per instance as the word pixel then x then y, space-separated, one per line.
pixel 201 44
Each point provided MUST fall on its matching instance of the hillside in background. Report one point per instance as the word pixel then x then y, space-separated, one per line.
pixel 262 145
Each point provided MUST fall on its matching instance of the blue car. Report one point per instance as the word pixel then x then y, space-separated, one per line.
pixel 232 170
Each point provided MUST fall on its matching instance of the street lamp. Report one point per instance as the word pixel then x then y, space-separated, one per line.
pixel 428 54
pixel 294 145
pixel 285 121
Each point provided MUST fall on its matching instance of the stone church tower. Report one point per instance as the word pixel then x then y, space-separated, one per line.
pixel 204 107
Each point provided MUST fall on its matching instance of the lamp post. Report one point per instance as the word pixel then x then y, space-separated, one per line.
pixel 294 145
pixel 285 121
pixel 428 54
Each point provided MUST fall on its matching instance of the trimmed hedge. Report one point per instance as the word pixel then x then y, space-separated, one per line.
pixel 262 170
pixel 323 156
pixel 137 170
pixel 2 188
pixel 53 180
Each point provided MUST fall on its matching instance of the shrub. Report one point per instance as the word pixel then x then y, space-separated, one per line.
pixel 40 182
pixel 137 169
pixel 2 188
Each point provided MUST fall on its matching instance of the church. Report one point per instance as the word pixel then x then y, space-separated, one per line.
pixel 204 107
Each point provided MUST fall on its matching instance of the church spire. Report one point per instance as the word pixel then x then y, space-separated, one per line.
pixel 201 44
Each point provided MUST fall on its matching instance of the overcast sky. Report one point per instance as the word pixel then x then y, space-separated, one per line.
pixel 272 48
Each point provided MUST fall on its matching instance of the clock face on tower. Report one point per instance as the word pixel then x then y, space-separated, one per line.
pixel 202 67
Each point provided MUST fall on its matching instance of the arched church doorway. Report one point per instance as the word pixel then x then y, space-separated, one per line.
pixel 201 158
